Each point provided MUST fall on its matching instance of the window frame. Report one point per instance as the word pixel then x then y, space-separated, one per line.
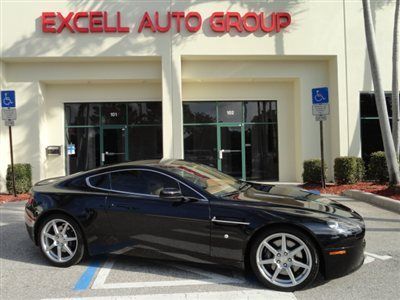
pixel 179 182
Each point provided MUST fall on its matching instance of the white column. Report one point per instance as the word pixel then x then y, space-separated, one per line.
pixel 172 107
pixel 4 152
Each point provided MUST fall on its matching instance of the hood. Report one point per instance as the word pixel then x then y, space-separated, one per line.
pixel 294 197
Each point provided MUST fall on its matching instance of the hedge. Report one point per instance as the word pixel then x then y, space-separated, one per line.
pixel 348 170
pixel 377 168
pixel 23 178
pixel 312 171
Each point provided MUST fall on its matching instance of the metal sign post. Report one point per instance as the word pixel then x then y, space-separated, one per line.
pixel 321 137
pixel 320 109
pixel 9 115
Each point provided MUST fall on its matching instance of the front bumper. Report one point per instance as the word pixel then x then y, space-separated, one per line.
pixel 342 264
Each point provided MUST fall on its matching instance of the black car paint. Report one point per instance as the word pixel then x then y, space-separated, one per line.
pixel 183 228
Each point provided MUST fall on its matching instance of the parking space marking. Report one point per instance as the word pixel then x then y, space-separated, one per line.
pixel 370 257
pixel 250 294
pixel 211 278
pixel 381 257
pixel 84 281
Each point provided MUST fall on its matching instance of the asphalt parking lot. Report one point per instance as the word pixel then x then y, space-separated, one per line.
pixel 26 274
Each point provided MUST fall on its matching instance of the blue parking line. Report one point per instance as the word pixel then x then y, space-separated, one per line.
pixel 84 281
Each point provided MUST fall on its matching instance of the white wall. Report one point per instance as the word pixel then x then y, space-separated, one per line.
pixel 324 45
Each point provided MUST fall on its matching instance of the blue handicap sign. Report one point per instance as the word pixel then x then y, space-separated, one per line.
pixel 320 95
pixel 71 149
pixel 8 99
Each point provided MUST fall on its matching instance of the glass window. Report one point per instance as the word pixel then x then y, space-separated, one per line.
pixel 144 113
pixel 187 192
pixel 371 137
pixel 113 113
pixel 100 181
pixel 199 112
pixel 368 106
pixel 200 143
pixel 141 182
pixel 82 114
pixel 261 152
pixel 209 179
pixel 230 112
pixel 87 149
pixel 260 111
pixel 145 142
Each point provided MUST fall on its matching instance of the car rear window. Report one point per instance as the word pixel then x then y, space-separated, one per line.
pixel 100 181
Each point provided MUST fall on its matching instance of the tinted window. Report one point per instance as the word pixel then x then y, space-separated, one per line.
pixel 199 112
pixel 368 106
pixel 187 192
pixel 141 182
pixel 146 142
pixel 100 181
pixel 260 111
pixel 86 142
pixel 113 113
pixel 262 152
pixel 82 114
pixel 144 113
pixel 200 144
pixel 230 112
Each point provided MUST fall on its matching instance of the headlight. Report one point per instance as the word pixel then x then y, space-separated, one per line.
pixel 344 227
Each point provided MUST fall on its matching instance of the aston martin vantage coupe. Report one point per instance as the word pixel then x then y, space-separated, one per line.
pixel 175 209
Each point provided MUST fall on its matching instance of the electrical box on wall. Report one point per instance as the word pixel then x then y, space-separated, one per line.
pixel 53 150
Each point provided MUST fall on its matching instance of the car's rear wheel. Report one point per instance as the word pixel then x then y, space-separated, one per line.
pixel 61 241
pixel 284 259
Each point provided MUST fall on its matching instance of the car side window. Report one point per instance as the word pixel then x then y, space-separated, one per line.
pixel 100 181
pixel 141 182
pixel 156 182
pixel 189 193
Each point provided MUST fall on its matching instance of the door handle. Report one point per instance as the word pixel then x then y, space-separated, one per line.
pixel 114 153
pixel 127 207
pixel 221 153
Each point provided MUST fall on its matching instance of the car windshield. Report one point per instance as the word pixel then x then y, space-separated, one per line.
pixel 207 178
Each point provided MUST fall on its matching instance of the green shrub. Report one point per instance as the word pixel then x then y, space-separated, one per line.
pixel 360 168
pixel 349 170
pixel 312 171
pixel 23 178
pixel 377 168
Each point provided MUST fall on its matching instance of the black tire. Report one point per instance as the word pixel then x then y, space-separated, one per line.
pixel 78 245
pixel 262 276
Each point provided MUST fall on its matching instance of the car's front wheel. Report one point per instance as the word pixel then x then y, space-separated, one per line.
pixel 284 259
pixel 61 241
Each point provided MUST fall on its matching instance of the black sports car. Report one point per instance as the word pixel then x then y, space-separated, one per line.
pixel 177 209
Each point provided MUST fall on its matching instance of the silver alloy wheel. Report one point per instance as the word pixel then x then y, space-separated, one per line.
pixel 59 240
pixel 284 259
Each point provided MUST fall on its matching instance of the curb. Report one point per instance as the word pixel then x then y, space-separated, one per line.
pixel 379 201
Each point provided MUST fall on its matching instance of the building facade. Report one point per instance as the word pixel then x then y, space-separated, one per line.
pixel 226 83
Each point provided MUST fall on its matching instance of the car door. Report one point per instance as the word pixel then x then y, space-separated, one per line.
pixel 142 220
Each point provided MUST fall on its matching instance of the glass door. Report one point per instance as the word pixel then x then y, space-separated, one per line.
pixel 230 150
pixel 114 145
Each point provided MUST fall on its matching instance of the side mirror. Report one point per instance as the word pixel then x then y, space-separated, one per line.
pixel 170 193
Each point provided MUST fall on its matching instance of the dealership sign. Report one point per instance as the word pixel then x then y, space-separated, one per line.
pixel 222 22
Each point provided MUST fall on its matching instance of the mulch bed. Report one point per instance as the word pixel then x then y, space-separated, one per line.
pixel 370 187
pixel 10 198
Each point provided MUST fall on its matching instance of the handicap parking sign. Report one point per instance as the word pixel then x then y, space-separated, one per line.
pixel 320 95
pixel 8 99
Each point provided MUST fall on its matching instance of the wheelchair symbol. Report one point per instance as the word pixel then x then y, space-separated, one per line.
pixel 7 100
pixel 319 97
